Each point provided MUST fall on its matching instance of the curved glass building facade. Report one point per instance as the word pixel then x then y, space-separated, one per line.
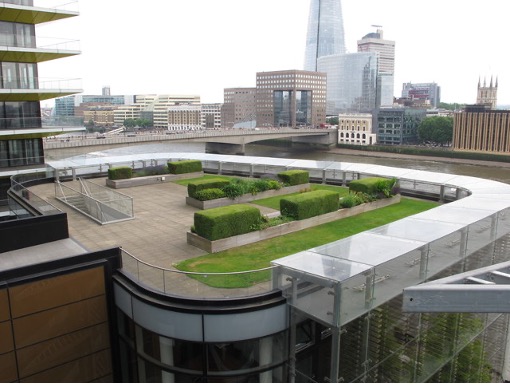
pixel 325 34
pixel 352 82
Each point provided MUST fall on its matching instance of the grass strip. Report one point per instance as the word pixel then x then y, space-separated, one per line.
pixel 259 255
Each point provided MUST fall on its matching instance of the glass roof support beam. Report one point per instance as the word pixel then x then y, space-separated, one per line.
pixel 484 290
pixel 336 333
pixel 293 340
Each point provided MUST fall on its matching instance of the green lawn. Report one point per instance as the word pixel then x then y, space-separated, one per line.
pixel 258 255
pixel 185 182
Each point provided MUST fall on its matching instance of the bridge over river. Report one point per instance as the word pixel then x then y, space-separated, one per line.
pixel 229 142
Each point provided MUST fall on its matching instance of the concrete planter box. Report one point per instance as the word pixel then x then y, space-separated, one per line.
pixel 286 228
pixel 246 198
pixel 152 179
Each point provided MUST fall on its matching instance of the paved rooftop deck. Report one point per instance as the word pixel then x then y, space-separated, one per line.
pixel 157 234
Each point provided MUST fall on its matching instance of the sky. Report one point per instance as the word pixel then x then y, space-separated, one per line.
pixel 200 47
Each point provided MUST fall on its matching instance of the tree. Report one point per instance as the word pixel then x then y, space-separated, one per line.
pixel 437 129
pixel 332 120
pixel 129 123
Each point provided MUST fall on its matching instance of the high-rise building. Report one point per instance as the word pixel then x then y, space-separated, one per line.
pixel 21 88
pixel 487 94
pixel 238 107
pixel 428 94
pixel 352 82
pixel 325 32
pixel 291 98
pixel 385 49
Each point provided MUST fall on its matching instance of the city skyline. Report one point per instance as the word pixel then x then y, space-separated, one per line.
pixel 201 47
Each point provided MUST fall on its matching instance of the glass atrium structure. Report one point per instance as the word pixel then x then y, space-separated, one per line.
pixel 325 32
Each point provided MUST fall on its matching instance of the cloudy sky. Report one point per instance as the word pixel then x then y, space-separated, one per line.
pixel 200 47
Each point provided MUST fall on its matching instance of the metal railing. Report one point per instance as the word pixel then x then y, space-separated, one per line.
pixel 96 202
pixel 195 284
pixel 39 205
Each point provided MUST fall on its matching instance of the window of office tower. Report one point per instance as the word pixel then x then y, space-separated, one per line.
pixel 303 108
pixel 282 108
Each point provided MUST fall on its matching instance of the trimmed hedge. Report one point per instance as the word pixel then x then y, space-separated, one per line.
pixel 294 177
pixel 184 166
pixel 210 194
pixel 195 187
pixel 120 172
pixel 375 185
pixel 224 222
pixel 309 204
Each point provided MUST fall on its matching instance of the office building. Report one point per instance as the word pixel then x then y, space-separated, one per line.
pixel 399 125
pixel 99 116
pixel 481 129
pixel 72 310
pixel 487 94
pixel 184 117
pixel 351 82
pixel 210 116
pixel 75 105
pixel 428 95
pixel 356 129
pixel 153 108
pixel 239 107
pixel 385 49
pixel 21 89
pixel 325 35
pixel 291 98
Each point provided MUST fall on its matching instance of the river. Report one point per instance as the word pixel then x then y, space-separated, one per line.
pixel 494 171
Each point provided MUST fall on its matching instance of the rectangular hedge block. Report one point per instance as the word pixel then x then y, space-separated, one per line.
pixel 120 172
pixel 370 185
pixel 195 187
pixel 309 204
pixel 294 177
pixel 224 222
pixel 184 166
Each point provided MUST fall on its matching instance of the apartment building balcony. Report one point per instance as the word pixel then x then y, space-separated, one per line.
pixel 46 49
pixel 37 89
pixel 36 11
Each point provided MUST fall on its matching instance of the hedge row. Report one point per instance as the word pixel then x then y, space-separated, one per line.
pixel 121 172
pixel 373 186
pixel 309 204
pixel 195 187
pixel 184 166
pixel 294 177
pixel 224 222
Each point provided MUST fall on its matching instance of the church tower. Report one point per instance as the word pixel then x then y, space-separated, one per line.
pixel 487 95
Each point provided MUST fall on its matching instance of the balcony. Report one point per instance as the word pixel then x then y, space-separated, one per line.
pixel 36 12
pixel 47 49
pixel 33 127
pixel 37 89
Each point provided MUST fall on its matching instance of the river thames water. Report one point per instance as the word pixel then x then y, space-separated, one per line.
pixel 494 172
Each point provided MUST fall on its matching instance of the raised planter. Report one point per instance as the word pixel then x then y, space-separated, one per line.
pixel 286 228
pixel 246 198
pixel 151 179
